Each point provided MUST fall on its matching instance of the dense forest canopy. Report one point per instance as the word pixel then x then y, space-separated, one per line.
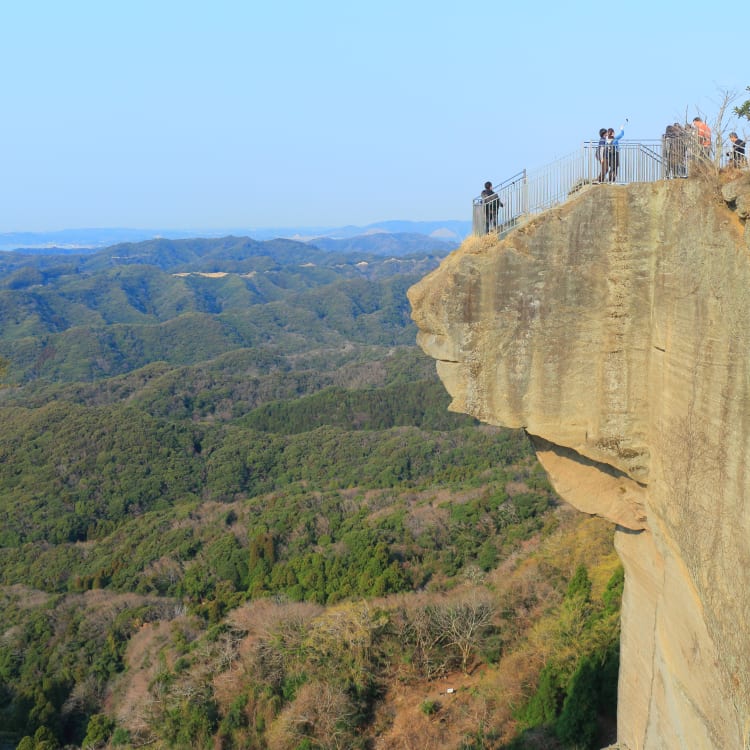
pixel 232 494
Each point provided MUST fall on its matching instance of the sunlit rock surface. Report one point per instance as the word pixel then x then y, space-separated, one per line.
pixel 616 330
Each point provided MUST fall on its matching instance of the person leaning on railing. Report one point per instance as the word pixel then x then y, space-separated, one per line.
pixel 675 150
pixel 737 154
pixel 492 203
pixel 704 135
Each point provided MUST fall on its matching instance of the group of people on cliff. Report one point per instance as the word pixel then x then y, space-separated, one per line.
pixel 684 142
pixel 694 141
pixel 608 153
pixel 681 144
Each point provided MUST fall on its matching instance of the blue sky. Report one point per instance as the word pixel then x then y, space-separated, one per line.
pixel 225 114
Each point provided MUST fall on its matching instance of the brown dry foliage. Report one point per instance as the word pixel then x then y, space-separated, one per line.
pixel 265 639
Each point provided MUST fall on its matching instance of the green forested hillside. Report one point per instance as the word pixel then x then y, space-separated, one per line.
pixel 87 325
pixel 224 458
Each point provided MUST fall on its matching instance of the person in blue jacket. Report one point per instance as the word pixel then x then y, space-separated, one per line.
pixel 613 152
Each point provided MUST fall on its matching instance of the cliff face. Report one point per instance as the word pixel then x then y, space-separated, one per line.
pixel 616 330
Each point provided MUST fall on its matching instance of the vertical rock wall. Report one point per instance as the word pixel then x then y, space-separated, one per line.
pixel 616 330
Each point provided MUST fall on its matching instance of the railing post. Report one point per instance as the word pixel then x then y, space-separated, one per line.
pixel 525 194
pixel 477 218
pixel 585 169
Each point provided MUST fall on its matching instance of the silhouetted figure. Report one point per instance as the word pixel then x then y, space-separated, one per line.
pixel 492 204
pixel 601 154
pixel 679 148
pixel 671 152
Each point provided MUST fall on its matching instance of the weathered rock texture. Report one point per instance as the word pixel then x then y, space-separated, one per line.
pixel 616 330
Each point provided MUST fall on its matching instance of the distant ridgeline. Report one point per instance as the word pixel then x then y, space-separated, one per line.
pixel 72 241
pixel 183 301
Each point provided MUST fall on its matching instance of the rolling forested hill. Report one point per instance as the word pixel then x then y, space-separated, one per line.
pixel 235 511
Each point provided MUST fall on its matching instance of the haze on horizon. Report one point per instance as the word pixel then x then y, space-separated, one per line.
pixel 246 115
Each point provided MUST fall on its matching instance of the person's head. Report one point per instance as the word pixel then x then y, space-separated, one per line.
pixel 697 119
pixel 733 136
pixel 602 132
pixel 488 186
pixel 611 133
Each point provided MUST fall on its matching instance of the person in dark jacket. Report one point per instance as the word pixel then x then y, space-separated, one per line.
pixel 492 203
pixel 679 150
pixel 737 154
pixel 672 151
pixel 613 152
pixel 601 154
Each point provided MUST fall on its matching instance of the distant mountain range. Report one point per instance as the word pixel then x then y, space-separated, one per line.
pixel 75 241
pixel 385 243
pixel 120 308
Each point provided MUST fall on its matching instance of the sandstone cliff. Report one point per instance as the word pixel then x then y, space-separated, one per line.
pixel 616 330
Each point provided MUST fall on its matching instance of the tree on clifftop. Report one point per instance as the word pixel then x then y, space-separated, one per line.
pixel 744 109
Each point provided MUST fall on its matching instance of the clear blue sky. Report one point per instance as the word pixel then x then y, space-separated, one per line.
pixel 277 113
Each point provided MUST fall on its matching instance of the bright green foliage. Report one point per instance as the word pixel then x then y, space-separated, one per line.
pixel 191 723
pixel 579 586
pixel 120 737
pixel 43 739
pixel 576 724
pixel 236 717
pixel 612 596
pixel 129 493
pixel 544 706
pixel 744 109
pixel 99 731
pixel 569 703
pixel 411 403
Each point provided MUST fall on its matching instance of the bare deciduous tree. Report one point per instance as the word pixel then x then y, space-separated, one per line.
pixel 727 97
pixel 429 658
pixel 322 713
pixel 463 623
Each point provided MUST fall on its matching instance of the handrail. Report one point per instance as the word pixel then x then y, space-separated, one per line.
pixel 500 214
pixel 528 193
pixel 517 177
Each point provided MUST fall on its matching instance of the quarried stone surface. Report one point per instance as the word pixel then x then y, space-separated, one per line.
pixel 616 330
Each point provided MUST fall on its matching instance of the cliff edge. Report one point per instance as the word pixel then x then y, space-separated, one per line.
pixel 615 329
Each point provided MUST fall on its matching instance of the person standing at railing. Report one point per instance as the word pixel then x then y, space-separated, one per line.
pixel 679 150
pixel 672 157
pixel 737 154
pixel 704 136
pixel 601 154
pixel 492 203
pixel 613 152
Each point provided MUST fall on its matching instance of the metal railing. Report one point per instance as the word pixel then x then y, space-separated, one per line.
pixel 529 193
pixel 500 213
